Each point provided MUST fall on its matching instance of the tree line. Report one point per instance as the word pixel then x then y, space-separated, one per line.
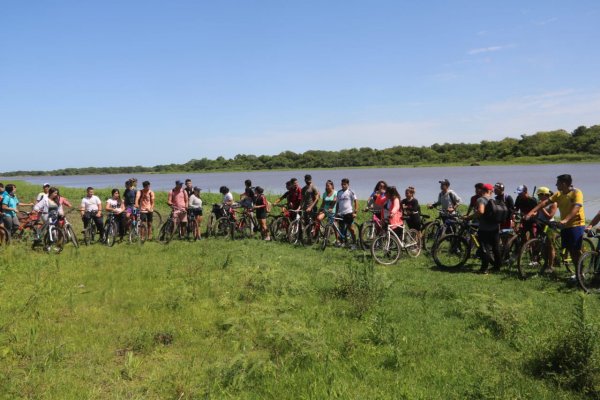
pixel 583 144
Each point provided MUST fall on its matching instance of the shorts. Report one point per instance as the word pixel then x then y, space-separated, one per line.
pixel 261 213
pixel 194 212
pixel 348 219
pixel 180 215
pixel 572 238
pixel 146 216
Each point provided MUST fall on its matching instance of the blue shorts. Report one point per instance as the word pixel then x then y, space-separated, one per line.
pixel 572 238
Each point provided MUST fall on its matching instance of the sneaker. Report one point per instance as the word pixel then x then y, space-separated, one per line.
pixel 483 271
pixel 337 244
pixel 573 278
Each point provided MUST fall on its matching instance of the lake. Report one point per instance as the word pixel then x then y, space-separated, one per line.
pixel 362 181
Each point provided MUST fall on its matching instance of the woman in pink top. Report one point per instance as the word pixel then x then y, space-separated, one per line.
pixel 393 206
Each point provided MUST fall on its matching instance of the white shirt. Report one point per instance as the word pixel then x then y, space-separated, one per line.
pixel 45 204
pixel 115 205
pixel 91 203
pixel 195 202
pixel 345 199
pixel 227 198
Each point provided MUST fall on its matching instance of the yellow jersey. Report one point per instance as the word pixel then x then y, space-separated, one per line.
pixel 566 202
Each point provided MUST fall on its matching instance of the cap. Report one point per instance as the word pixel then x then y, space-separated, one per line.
pixel 445 182
pixel 499 185
pixel 543 190
pixel 46 185
pixel 178 182
pixel 488 186
pixel 196 189
pixel 521 189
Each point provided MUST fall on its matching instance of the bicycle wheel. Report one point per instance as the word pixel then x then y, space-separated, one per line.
pixel 53 240
pixel 328 236
pixel 192 227
pixel 367 233
pixel 280 232
pixel 134 234
pixel 428 234
pixel 222 227
pixel 588 272
pixel 511 251
pixel 245 228
pixel 89 233
pixel 294 232
pixel 412 242
pixel 313 233
pixel 166 232
pixel 4 236
pixel 385 249
pixel 531 258
pixel 210 225
pixel 157 219
pixel 110 234
pixel 70 236
pixel 451 251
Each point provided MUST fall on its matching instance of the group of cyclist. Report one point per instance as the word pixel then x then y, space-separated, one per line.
pixel 186 202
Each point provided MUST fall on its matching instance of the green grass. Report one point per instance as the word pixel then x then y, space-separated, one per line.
pixel 250 319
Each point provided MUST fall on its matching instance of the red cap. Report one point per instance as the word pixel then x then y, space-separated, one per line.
pixel 488 186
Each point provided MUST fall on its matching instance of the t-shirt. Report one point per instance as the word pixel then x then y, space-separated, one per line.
pixel 329 201
pixel 473 202
pixel 46 206
pixel 115 205
pixel 11 202
pixel 178 198
pixel 129 197
pixel 566 202
pixel 294 198
pixel 485 224
pixel 91 204
pixel 525 204
pixel 510 204
pixel 345 199
pixel 228 197
pixel 146 199
pixel 195 202
pixel 309 194
pixel 40 196
pixel 447 200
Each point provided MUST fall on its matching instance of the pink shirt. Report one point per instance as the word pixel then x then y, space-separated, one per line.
pixel 396 213
pixel 178 199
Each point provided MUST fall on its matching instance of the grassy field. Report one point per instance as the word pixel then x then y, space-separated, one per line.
pixel 251 319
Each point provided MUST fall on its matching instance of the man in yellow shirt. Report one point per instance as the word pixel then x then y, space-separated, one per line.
pixel 570 205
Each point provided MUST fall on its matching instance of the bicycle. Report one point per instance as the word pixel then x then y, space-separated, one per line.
pixel 332 231
pixel 432 231
pixel 4 236
pixel 111 228
pixel 171 226
pixel 138 231
pixel 370 229
pixel 29 230
pixel 211 224
pixel 535 253
pixel 70 233
pixel 588 267
pixel 387 247
pixel 280 226
pixel 193 229
pixel 90 231
pixel 53 233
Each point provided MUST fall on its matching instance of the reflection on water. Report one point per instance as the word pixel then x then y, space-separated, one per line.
pixel 362 181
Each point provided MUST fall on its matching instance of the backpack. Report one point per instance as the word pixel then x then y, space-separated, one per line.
pixel 496 211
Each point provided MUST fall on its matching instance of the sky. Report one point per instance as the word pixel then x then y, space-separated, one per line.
pixel 115 83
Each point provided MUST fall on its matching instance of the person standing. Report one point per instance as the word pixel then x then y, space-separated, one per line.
pixel 523 204
pixel 189 187
pixel 347 205
pixel 10 207
pixel 144 201
pixel 195 210
pixel 488 233
pixel 310 198
pixel 115 205
pixel 508 201
pixel 570 205
pixel 260 207
pixel 91 210
pixel 43 193
pixel 395 210
pixel 247 198
pixel 473 201
pixel 411 209
pixel 448 200
pixel 178 201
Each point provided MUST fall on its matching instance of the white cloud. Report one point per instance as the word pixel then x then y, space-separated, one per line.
pixel 489 49
pixel 546 21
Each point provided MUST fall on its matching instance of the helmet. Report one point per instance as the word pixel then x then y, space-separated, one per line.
pixel 543 190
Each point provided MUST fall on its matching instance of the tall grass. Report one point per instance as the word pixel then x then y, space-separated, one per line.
pixel 251 319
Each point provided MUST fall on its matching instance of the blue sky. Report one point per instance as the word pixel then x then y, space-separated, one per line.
pixel 151 82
